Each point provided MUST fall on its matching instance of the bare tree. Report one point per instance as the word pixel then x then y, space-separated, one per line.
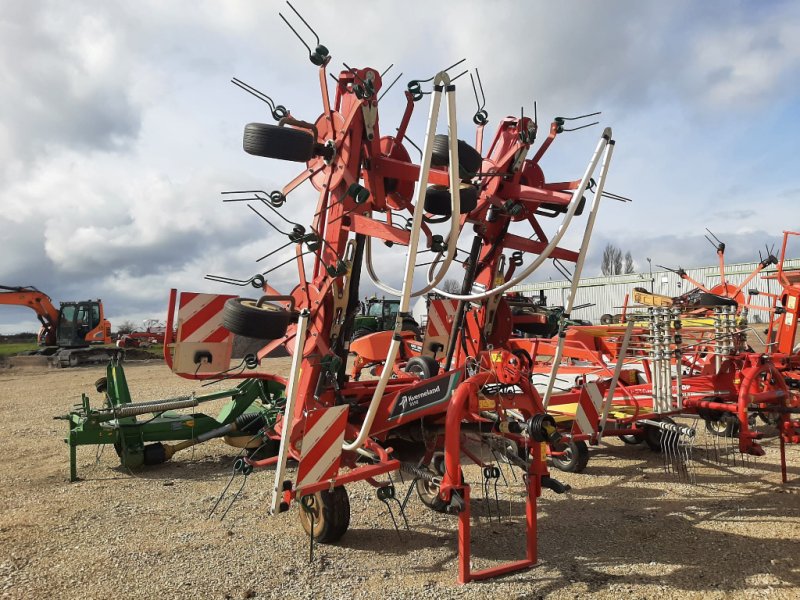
pixel 612 260
pixel 126 327
pixel 628 262
pixel 451 286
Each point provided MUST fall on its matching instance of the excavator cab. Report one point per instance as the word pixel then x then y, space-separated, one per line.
pixel 81 324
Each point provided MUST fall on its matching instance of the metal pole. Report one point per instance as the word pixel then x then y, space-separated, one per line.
pixel 288 414
pixel 623 350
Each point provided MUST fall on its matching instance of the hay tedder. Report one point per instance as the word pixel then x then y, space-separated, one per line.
pixel 464 379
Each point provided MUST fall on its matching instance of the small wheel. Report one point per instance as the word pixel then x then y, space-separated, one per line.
pixel 273 141
pixel 243 316
pixel 616 319
pixel 574 459
pixel 331 514
pixel 266 449
pixel 101 385
pixel 469 159
pixel 723 427
pixel 359 333
pixel 424 367
pixel 438 202
pixel 427 491
pixel 606 319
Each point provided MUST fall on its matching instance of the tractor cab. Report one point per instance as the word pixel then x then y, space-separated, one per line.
pixel 379 314
pixel 81 324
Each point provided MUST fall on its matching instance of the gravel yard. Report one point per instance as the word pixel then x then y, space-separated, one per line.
pixel 627 529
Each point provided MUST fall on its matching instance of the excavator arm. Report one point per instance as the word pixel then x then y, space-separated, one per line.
pixel 41 304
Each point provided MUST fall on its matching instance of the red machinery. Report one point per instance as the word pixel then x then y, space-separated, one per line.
pixel 341 430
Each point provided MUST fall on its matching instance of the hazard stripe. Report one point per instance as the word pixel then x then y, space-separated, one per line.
pixel 588 414
pixel 204 321
pixel 322 445
pixel 435 325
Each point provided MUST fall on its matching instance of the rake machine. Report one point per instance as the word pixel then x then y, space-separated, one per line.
pixel 341 430
pixel 466 380
pixel 629 381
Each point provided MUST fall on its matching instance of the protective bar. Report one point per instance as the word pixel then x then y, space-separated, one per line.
pixel 623 350
pixel 576 276
pixel 288 414
pixel 441 80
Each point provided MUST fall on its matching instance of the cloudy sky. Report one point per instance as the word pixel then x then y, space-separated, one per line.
pixel 119 127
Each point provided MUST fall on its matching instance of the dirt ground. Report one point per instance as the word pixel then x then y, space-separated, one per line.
pixel 628 528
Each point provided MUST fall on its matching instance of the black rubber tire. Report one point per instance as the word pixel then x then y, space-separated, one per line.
pixel 359 333
pixel 722 427
pixel 575 459
pixel 267 322
pixel 155 454
pixel 331 510
pixel 273 141
pixel 267 449
pixel 616 319
pixel 438 202
pixel 606 319
pixel 429 493
pixel 469 159
pixel 101 385
pixel 423 366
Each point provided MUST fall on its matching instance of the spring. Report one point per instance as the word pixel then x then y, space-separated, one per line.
pixel 131 410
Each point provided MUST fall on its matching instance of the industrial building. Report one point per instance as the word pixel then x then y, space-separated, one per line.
pixel 606 295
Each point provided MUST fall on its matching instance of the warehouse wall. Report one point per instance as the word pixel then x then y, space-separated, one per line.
pixel 607 294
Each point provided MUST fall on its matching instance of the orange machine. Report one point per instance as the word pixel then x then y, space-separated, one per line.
pixel 67 331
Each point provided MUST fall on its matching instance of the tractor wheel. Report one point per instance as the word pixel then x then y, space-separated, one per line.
pixel 469 159
pixel 424 367
pixel 438 202
pixel 653 435
pixel 574 459
pixel 360 333
pixel 243 316
pixel 330 512
pixel 273 141
pixel 606 319
pixel 723 427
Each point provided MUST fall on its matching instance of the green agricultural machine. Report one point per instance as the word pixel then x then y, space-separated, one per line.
pixel 379 314
pixel 253 404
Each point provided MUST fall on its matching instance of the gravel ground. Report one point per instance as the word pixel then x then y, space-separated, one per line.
pixel 628 528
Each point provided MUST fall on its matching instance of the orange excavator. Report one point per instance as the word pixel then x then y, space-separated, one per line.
pixel 69 332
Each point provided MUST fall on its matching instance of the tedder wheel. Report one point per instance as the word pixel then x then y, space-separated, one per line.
pixel 653 434
pixel 469 159
pixel 243 316
pixel 330 510
pixel 437 199
pixel 273 141
pixel 424 367
pixel 427 491
pixel 575 457
pixel 606 319
pixel 360 333
pixel 725 426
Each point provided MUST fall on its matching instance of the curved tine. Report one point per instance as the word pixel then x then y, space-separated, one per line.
pixel 304 21
pixel 289 25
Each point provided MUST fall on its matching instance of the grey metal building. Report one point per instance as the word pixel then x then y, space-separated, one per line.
pixel 607 294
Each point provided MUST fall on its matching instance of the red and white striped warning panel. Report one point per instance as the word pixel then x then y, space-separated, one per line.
pixel 322 445
pixel 441 313
pixel 202 344
pixel 590 406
